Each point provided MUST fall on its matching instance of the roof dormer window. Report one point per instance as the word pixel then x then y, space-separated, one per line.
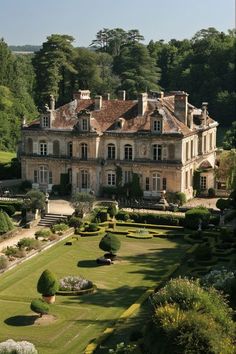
pixel 157 125
pixel 84 124
pixel 45 122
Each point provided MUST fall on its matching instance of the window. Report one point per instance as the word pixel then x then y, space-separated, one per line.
pixel 35 176
pixel 29 146
pixel 128 176
pixel 191 177
pixel 84 124
pixel 203 182
pixel 186 179
pixel 43 149
pixel 157 125
pixel 204 144
pixel 157 152
pixel 111 151
pixel 171 149
pixel 84 179
pixel 191 148
pixel 211 141
pixel 56 148
pixel 70 175
pixel 43 175
pixel 164 184
pixel 111 179
pixel 45 121
pixel 147 184
pixel 186 152
pixel 128 152
pixel 70 149
pixel 156 182
pixel 84 151
pixel 50 177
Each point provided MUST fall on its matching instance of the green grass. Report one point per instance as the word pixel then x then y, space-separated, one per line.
pixel 80 319
pixel 5 157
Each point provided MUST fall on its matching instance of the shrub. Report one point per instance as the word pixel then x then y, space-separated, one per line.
pixel 75 221
pixel 9 209
pixel 74 283
pixel 112 210
pixel 159 219
pixel 45 233
pixel 12 347
pixel 211 193
pixel 110 243
pixel 26 186
pixel 10 251
pixel 102 215
pixel 59 227
pixel 223 204
pixel 5 223
pixel 122 215
pixel 91 227
pixel 180 198
pixel 3 262
pixel 195 215
pixel 39 306
pixel 203 252
pixel 47 284
pixel 29 243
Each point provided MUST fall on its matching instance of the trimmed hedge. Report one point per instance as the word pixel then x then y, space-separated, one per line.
pixel 161 219
pixel 149 226
pixel 193 216
pixel 9 209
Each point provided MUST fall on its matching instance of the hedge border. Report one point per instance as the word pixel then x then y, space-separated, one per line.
pixel 140 237
pixel 75 293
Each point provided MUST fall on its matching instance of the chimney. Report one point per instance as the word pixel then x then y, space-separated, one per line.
pixel 204 113
pixel 107 96
pixel 142 103
pixel 98 102
pixel 52 103
pixel 181 106
pixel 82 95
pixel 122 95
pixel 190 118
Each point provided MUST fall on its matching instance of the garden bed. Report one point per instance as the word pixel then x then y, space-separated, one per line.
pixel 76 292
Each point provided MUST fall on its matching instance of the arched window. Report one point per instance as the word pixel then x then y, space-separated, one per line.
pixel 56 148
pixel 29 146
pixel 84 151
pixel 43 174
pixel 128 152
pixel 43 148
pixel 111 151
pixel 156 182
pixel 157 152
pixel 70 149
pixel 171 150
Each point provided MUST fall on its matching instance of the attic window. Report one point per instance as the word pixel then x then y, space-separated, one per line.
pixel 45 122
pixel 84 124
pixel 157 125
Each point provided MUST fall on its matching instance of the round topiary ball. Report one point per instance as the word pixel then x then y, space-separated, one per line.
pixel 39 306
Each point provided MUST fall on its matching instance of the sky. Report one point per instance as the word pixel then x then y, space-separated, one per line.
pixel 31 21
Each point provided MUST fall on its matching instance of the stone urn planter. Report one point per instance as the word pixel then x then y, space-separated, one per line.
pixel 49 299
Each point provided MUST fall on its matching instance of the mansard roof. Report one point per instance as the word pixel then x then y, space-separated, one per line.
pixel 106 118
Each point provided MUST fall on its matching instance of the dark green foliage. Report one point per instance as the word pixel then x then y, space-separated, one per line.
pixel 112 210
pixel 109 192
pixel 211 192
pixel 82 203
pixel 75 221
pixel 16 204
pixel 43 233
pixel 34 200
pixel 59 227
pixel 39 306
pixel 195 216
pixel 223 204
pixel 102 215
pixel 122 215
pixel 110 243
pixel 47 284
pixel 5 223
pixel 159 219
pixel 26 186
pixel 9 209
pixel 180 198
pixel 203 252
pixel 28 243
pixel 91 227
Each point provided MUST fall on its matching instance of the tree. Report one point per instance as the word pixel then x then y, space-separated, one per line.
pixel 5 223
pixel 229 141
pixel 34 199
pixel 223 204
pixel 226 170
pixel 39 306
pixel 110 243
pixel 47 284
pixel 82 203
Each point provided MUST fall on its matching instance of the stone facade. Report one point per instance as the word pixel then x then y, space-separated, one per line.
pixel 164 140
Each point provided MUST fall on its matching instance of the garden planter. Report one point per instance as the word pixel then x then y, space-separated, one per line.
pixel 49 299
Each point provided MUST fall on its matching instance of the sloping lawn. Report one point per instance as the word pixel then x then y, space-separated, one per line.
pixel 82 318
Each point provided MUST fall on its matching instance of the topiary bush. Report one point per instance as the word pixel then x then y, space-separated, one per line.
pixel 39 306
pixel 122 215
pixel 211 193
pixel 223 204
pixel 110 243
pixel 196 215
pixel 75 222
pixel 5 223
pixel 47 284
pixel 12 347
pixel 112 210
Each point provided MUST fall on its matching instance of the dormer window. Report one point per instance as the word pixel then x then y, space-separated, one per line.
pixel 84 124
pixel 45 122
pixel 157 125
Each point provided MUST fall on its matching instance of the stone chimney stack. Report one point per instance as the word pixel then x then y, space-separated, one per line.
pixel 107 96
pixel 204 113
pixel 181 106
pixel 98 102
pixel 52 103
pixel 82 95
pixel 142 103
pixel 122 95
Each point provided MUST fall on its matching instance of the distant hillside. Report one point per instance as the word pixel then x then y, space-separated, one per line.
pixel 25 48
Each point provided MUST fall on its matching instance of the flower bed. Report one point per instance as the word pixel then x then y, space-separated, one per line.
pixel 75 285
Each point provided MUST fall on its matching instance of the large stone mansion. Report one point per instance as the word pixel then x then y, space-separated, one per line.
pixel 162 138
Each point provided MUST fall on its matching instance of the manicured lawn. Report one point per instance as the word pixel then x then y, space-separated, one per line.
pixel 80 319
pixel 6 157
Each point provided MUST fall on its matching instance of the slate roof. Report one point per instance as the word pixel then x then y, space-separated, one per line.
pixel 105 119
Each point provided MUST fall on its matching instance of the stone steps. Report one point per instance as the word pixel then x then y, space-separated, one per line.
pixel 51 219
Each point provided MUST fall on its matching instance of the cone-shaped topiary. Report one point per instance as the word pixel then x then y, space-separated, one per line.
pixel 47 284
pixel 39 306
pixel 110 243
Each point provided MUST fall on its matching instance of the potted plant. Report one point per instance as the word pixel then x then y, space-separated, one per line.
pixel 48 286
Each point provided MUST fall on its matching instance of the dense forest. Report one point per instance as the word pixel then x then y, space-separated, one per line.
pixel 203 66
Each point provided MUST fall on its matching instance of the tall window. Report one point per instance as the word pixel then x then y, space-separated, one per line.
pixel 70 149
pixel 43 148
pixel 191 177
pixel 84 124
pixel 111 179
pixel 186 179
pixel 203 182
pixel 35 176
pixel 204 143
pixel 211 141
pixel 128 152
pixel 171 151
pixel 45 121
pixel 128 176
pixel 157 152
pixel 84 179
pixel 156 182
pixel 187 151
pixel 43 175
pixel 84 151
pixel 56 147
pixel 29 146
pixel 164 184
pixel 157 125
pixel 147 184
pixel 111 151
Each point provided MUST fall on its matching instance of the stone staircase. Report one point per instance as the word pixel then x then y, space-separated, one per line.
pixel 51 219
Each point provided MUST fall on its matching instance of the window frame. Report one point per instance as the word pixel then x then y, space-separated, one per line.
pixel 128 152
pixel 111 151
